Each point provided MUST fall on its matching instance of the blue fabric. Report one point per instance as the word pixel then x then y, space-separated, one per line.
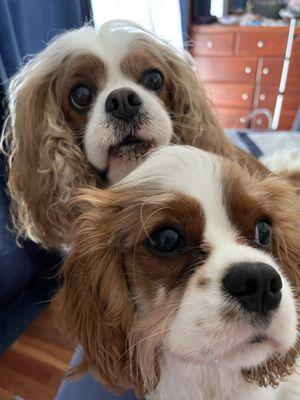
pixel 27 26
pixel 185 20
pixel 26 273
pixel 264 143
pixel 87 387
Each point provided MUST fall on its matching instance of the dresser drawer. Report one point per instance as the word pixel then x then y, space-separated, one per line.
pixel 233 117
pixel 227 69
pixel 259 122
pixel 212 44
pixel 286 120
pixel 294 74
pixel 296 47
pixel 261 44
pixel 291 99
pixel 230 94
pixel 270 71
pixel 265 97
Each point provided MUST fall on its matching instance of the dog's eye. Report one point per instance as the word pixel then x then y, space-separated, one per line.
pixel 166 241
pixel 263 233
pixel 152 80
pixel 81 97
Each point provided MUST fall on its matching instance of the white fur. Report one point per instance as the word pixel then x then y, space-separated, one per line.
pixel 214 350
pixel 110 44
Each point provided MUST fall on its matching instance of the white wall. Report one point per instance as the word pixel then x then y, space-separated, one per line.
pixel 161 17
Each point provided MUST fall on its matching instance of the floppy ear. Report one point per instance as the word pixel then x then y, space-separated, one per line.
pixel 283 206
pixel 45 163
pixel 194 117
pixel 94 301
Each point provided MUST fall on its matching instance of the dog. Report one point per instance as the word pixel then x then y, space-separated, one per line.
pixel 183 281
pixel 87 109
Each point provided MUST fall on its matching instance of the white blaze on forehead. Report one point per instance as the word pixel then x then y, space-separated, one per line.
pixel 193 172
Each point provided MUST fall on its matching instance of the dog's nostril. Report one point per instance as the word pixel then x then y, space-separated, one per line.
pixel 111 104
pixel 134 100
pixel 275 285
pixel 257 286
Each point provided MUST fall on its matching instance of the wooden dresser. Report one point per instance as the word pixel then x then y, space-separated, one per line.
pixel 241 69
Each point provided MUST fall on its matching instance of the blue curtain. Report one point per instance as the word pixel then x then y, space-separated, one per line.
pixel 185 9
pixel 25 28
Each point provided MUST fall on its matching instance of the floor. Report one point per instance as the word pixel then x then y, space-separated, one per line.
pixel 33 366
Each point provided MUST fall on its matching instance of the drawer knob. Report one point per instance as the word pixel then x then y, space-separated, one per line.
pixel 209 44
pixel 259 121
pixel 248 70
pixel 245 96
pixel 242 120
pixel 262 97
pixel 265 71
pixel 260 44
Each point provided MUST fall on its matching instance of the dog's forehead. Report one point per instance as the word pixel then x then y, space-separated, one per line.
pixel 109 45
pixel 194 173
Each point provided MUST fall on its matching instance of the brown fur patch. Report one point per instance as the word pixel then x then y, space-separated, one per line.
pixel 150 271
pixel 248 199
pixel 85 69
pixel 243 207
pixel 293 178
pixel 140 60
pixel 114 286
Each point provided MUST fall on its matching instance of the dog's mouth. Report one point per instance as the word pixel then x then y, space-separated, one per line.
pixel 257 338
pixel 131 146
pixel 256 342
pixel 125 157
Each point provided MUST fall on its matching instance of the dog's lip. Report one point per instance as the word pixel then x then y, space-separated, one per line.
pixel 257 339
pixel 130 144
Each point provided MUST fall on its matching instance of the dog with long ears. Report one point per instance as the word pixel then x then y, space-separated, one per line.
pixel 183 281
pixel 88 108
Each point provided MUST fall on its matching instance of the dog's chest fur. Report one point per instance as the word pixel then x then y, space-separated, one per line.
pixel 180 381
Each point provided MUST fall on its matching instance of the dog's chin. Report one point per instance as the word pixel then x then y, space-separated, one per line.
pixel 253 351
pixel 125 157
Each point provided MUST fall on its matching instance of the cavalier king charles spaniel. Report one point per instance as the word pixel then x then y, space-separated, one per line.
pixel 182 281
pixel 86 110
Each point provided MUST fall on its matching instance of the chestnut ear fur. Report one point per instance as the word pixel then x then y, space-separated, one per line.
pixel 94 304
pixel 283 205
pixel 45 160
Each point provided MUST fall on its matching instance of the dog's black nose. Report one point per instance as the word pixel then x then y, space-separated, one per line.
pixel 257 286
pixel 123 103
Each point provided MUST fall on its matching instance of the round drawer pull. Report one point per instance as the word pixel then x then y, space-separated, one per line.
pixel 242 120
pixel 262 97
pixel 259 121
pixel 248 70
pixel 260 44
pixel 209 44
pixel 245 96
pixel 265 71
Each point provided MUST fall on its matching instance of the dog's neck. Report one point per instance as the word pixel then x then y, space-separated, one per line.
pixel 183 381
